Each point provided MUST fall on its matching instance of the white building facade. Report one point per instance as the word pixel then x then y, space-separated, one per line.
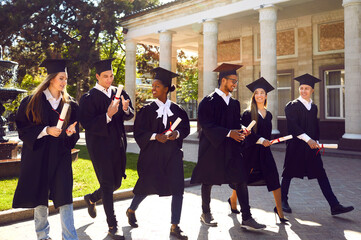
pixel 276 39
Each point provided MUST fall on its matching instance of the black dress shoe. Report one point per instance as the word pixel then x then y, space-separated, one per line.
pixel 178 233
pixel 114 234
pixel 233 210
pixel 285 207
pixel 91 206
pixel 132 220
pixel 338 209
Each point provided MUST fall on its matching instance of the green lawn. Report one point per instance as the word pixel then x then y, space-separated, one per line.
pixel 85 180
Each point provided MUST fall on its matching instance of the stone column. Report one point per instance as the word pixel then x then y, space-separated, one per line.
pixel 268 35
pixel 165 52
pixel 200 68
pixel 130 69
pixel 352 17
pixel 173 95
pixel 210 40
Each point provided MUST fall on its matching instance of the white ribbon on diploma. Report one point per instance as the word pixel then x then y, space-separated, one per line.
pixel 174 125
pixel 62 115
pixel 281 139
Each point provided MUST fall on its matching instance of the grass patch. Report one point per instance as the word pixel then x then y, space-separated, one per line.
pixel 85 180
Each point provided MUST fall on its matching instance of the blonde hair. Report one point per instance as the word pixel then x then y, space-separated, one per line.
pixel 34 107
pixel 252 107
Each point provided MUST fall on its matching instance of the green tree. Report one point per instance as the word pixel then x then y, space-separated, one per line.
pixel 187 68
pixel 34 30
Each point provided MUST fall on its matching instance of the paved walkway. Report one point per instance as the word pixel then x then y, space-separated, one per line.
pixel 311 218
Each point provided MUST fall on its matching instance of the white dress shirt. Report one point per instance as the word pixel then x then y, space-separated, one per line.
pixel 308 106
pixel 164 112
pixel 54 104
pixel 226 98
pixel 261 139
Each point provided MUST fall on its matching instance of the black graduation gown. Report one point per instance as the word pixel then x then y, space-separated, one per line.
pixel 302 161
pixel 219 157
pixel 46 171
pixel 259 157
pixel 160 165
pixel 106 142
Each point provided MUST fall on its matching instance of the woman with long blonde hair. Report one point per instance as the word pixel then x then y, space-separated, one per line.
pixel 46 171
pixel 262 166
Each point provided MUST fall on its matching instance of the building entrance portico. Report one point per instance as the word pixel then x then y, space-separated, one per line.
pixel 276 39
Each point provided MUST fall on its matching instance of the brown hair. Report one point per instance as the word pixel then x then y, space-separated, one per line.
pixel 254 109
pixel 34 107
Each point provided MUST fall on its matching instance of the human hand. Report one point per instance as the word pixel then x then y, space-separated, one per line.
pixel 173 135
pixel 237 135
pixel 71 129
pixel 313 144
pixel 161 138
pixel 53 131
pixel 113 108
pixel 246 132
pixel 266 143
pixel 125 103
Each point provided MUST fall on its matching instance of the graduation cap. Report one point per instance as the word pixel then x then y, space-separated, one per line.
pixel 307 79
pixel 226 69
pixel 165 77
pixel 103 65
pixel 54 65
pixel 260 83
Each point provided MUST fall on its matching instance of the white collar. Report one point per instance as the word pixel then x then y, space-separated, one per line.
pixel 259 112
pixel 49 96
pixel 164 110
pixel 221 93
pixel 107 92
pixel 305 103
pixel 225 97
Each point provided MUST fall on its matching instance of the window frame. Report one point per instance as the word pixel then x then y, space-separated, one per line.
pixel 341 89
pixel 291 73
pixel 323 94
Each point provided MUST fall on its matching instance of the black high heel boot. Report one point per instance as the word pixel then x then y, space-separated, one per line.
pixel 284 219
pixel 233 210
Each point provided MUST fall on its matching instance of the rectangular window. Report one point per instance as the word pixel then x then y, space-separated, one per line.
pixel 335 94
pixel 284 88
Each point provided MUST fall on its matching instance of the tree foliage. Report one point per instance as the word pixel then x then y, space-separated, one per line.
pixel 187 68
pixel 77 30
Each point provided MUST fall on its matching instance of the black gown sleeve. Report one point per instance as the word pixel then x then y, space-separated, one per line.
pixel 142 127
pixel 183 127
pixel 206 117
pixel 317 123
pixel 91 120
pixel 74 117
pixel 28 131
pixel 131 109
pixel 292 120
pixel 246 120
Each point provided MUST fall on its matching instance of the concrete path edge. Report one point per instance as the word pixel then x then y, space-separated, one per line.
pixel 16 215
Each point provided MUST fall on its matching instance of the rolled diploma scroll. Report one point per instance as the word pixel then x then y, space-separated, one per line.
pixel 117 95
pixel 174 125
pixel 62 115
pixel 250 126
pixel 281 139
pixel 333 146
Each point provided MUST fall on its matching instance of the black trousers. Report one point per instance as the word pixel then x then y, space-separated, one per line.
pixel 105 192
pixel 324 185
pixel 242 195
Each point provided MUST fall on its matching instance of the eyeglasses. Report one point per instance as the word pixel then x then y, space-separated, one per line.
pixel 234 81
